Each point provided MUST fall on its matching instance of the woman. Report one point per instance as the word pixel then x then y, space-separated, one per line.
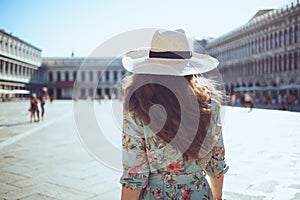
pixel 33 107
pixel 172 129
pixel 43 101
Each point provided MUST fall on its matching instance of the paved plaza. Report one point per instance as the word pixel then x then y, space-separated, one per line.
pixel 47 160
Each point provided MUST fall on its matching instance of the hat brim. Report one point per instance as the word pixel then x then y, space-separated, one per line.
pixel 138 62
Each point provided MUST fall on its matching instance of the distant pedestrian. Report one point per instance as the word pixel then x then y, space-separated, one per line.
pixel 280 101
pixel 43 101
pixel 233 99
pixel 242 99
pixel 99 98
pixel 33 107
pixel 52 98
pixel 248 101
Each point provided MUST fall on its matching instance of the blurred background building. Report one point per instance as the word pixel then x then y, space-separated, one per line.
pixel 262 56
pixel 19 63
pixel 94 77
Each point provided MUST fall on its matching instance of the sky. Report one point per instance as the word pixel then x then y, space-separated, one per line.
pixel 59 27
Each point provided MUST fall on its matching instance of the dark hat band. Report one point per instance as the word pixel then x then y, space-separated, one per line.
pixel 171 54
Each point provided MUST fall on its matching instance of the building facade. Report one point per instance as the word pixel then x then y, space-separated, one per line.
pixel 93 77
pixel 19 63
pixel 263 56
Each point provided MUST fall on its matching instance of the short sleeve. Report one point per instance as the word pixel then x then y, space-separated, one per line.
pixel 216 165
pixel 134 157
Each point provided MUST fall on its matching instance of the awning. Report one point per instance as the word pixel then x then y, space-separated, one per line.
pixel 20 91
pixel 291 86
pixel 14 91
pixel 267 88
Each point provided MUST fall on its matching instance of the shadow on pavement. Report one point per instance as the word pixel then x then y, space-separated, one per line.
pixel 14 124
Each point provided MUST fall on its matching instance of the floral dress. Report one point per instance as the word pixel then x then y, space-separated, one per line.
pixel 160 172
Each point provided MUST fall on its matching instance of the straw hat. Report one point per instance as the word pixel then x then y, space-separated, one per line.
pixel 169 54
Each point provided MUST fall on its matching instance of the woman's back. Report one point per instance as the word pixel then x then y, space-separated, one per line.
pixel 156 164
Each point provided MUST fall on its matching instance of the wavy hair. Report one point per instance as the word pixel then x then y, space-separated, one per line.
pixel 180 97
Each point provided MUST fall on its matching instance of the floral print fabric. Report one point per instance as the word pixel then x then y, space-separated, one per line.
pixel 151 165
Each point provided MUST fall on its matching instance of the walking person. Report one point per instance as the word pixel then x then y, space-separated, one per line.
pixel 43 101
pixel 172 135
pixel 33 107
pixel 233 99
pixel 248 101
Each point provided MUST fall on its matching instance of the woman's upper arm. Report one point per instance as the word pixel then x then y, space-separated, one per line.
pixel 217 166
pixel 134 156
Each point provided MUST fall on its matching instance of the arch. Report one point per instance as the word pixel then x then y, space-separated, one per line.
pixel 279 63
pixel 271 41
pixel 296 59
pixel 296 33
pixel 67 76
pixel 291 35
pixel 276 40
pixel 273 84
pixel 285 62
pixel 50 76
pixel 286 38
pixel 280 39
pixel 58 76
pixel 290 60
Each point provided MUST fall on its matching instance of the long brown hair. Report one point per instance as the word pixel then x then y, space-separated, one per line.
pixel 188 94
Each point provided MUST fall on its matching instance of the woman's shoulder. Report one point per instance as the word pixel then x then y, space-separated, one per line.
pixel 215 101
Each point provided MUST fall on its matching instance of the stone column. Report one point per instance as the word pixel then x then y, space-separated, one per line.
pixel 3 66
pixel 8 72
pixel 111 76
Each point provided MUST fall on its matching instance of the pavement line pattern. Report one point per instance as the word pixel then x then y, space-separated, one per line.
pixel 31 131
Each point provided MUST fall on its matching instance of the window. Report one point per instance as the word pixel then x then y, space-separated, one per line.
pixel 74 75
pixel 284 63
pixel 16 69
pixel 115 76
pixel 290 61
pixel 7 68
pixel 280 63
pixel 291 35
pixel 296 59
pixel 67 76
pixel 297 34
pixel 276 39
pixel 58 76
pixel 50 77
pixel 107 76
pixel 281 39
pixel 20 70
pixel 286 38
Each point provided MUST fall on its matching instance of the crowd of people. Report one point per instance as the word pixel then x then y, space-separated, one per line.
pixel 281 101
pixel 34 106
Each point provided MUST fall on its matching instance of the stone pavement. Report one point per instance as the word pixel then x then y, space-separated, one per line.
pixel 50 162
pixel 46 160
